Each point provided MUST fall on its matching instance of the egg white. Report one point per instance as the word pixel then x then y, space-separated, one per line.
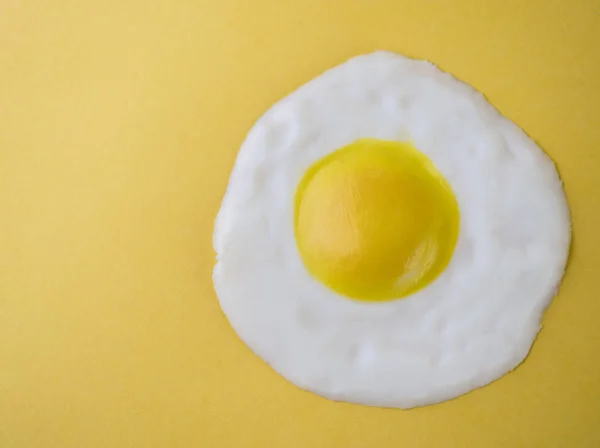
pixel 475 322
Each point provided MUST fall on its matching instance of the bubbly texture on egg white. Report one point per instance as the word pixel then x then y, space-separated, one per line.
pixel 472 323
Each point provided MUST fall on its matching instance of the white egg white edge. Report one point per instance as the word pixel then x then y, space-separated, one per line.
pixel 475 322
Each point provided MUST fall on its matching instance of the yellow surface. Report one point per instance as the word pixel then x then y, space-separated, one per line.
pixel 119 125
pixel 375 220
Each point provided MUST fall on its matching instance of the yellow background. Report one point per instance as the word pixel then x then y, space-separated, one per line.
pixel 119 125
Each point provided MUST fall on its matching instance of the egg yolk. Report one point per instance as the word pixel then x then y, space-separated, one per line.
pixel 375 220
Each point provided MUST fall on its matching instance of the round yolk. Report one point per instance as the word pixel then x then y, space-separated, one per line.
pixel 375 220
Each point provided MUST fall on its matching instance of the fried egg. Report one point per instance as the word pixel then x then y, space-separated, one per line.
pixel 388 238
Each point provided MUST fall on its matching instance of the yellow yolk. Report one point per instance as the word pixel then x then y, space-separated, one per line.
pixel 375 220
